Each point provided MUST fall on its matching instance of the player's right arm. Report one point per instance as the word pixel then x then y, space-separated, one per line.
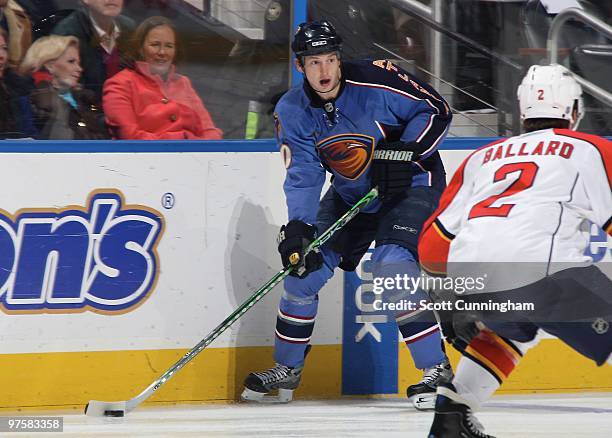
pixel 305 174
pixel 303 183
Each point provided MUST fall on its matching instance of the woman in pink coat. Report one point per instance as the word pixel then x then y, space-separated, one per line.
pixel 151 101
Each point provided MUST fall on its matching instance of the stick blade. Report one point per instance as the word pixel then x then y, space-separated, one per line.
pixel 97 408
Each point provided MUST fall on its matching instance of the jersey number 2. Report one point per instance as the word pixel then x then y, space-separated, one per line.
pixel 525 180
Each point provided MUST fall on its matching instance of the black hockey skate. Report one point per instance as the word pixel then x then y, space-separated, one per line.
pixel 423 394
pixel 282 378
pixel 454 418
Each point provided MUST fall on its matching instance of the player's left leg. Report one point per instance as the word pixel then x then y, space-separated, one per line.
pixel 486 363
pixel 395 254
pixel 418 327
pixel 490 358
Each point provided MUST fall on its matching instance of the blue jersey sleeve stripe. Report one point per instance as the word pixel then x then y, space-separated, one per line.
pixel 392 89
pixel 430 139
pixel 426 128
pixel 439 121
pixel 434 145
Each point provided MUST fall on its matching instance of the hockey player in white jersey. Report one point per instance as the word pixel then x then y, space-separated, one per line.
pixel 516 213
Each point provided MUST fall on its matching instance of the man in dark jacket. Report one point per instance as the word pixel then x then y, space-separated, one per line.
pixel 15 112
pixel 103 33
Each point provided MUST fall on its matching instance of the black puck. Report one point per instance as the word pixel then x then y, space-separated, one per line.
pixel 119 413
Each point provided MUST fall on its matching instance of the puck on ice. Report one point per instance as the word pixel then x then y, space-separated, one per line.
pixel 119 413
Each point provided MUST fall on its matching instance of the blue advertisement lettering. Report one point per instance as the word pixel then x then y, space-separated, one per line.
pixel 369 339
pixel 101 257
pixel 599 246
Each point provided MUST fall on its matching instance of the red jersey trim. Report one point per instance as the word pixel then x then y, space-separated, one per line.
pixel 433 250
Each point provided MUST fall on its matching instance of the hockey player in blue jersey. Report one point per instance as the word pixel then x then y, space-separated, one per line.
pixel 368 123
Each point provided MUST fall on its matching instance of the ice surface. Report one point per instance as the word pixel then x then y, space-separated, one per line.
pixel 525 416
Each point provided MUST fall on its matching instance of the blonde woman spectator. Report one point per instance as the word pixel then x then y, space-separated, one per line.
pixel 62 110
pixel 151 101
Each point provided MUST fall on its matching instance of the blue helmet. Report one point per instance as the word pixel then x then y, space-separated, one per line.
pixel 315 37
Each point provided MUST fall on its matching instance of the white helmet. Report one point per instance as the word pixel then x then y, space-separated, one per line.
pixel 550 92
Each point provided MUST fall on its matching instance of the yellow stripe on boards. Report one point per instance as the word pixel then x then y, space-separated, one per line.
pixel 551 366
pixel 61 380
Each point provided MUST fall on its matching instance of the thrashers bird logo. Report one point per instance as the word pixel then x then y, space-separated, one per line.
pixel 347 154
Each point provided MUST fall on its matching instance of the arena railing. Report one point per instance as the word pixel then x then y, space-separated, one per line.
pixel 431 17
pixel 553 45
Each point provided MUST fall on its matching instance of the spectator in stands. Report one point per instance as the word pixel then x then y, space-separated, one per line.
pixel 15 111
pixel 103 34
pixel 15 21
pixel 8 122
pixel 62 109
pixel 151 101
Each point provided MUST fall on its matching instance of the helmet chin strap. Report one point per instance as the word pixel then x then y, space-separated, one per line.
pixel 574 121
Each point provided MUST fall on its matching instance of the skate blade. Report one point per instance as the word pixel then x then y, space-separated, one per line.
pixel 423 402
pixel 284 396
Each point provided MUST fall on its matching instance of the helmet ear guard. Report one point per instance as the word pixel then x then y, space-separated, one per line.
pixel 550 92
pixel 314 38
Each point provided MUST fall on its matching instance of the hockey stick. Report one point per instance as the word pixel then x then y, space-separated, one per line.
pixel 97 408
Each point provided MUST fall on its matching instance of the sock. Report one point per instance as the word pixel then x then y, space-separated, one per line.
pixel 297 311
pixel 423 339
pixel 487 362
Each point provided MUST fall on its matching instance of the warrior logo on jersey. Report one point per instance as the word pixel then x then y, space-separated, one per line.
pixel 347 154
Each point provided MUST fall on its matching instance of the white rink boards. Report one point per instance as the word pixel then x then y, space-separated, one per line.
pixel 177 234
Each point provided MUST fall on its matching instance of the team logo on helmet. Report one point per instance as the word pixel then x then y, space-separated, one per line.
pixel 347 154
pixel 315 37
